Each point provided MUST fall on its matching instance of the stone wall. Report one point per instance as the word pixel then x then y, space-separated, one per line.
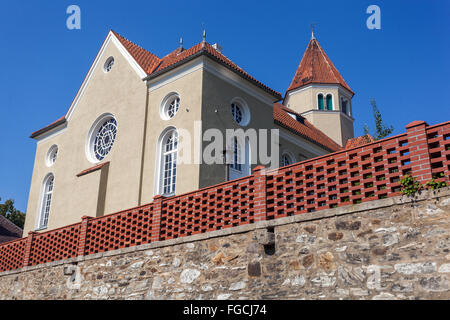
pixel 396 248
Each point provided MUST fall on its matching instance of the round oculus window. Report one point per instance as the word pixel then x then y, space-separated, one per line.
pixel 236 111
pixel 109 64
pixel 170 106
pixel 101 138
pixel 240 112
pixel 52 154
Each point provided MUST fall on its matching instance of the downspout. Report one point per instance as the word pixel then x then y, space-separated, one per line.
pixel 144 138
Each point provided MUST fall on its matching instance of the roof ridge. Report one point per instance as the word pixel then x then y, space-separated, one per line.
pixel 143 57
pixel 326 60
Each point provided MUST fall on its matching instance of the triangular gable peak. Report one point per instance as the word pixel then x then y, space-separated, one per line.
pixel 140 60
pixel 316 68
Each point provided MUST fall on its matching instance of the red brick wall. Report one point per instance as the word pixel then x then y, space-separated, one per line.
pixel 360 174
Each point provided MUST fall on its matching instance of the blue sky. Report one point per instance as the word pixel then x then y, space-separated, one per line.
pixel 404 66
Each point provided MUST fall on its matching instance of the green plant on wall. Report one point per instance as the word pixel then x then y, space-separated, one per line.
pixel 433 184
pixel 410 185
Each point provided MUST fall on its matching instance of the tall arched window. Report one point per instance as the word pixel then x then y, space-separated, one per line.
pixel 329 102
pixel 168 164
pixel 320 101
pixel 236 163
pixel 239 165
pixel 46 200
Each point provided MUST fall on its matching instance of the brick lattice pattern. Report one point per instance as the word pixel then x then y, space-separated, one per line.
pixel 54 245
pixel 350 176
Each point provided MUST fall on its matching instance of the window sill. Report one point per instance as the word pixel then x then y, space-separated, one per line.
pixel 40 229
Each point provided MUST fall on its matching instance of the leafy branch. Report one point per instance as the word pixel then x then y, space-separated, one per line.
pixel 381 129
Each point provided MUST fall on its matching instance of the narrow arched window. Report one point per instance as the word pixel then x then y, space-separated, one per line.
pixel 329 102
pixel 236 163
pixel 344 105
pixel 320 101
pixel 46 201
pixel 168 173
pixel 239 161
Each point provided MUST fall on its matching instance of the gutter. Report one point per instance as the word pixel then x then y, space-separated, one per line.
pixel 48 128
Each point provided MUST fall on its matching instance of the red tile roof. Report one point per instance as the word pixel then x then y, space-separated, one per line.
pixel 147 60
pixel 359 141
pixel 305 129
pixel 153 65
pixel 176 57
pixel 316 67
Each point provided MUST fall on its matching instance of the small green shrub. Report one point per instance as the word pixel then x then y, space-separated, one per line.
pixel 433 184
pixel 410 185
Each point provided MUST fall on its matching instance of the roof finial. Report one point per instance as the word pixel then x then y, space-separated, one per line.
pixel 313 25
pixel 204 35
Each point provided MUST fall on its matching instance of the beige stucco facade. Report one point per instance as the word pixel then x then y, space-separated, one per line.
pixel 205 88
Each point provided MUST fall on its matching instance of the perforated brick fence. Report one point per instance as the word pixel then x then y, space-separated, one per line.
pixel 360 174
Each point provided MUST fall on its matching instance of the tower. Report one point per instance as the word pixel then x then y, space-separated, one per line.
pixel 320 94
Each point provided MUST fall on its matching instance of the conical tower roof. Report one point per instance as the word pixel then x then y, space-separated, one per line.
pixel 316 67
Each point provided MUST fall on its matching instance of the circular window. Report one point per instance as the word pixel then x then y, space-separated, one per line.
pixel 101 138
pixel 240 112
pixel 52 154
pixel 108 64
pixel 236 112
pixel 170 106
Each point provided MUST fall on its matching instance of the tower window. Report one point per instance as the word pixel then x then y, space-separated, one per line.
pixel 320 101
pixel 329 102
pixel 344 103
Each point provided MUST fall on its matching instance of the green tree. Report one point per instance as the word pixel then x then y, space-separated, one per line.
pixel 381 130
pixel 8 210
